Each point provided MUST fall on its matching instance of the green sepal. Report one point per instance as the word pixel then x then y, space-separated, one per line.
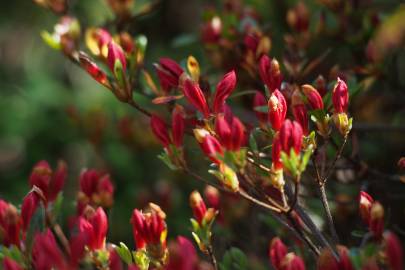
pixel 141 259
pixel 124 253
pixel 50 40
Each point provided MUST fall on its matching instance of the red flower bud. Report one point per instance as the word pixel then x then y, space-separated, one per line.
pixel 95 189
pixel 327 261
pixel 277 109
pixel 276 154
pixel 365 203
pixel 212 196
pixel 291 136
pixel 48 182
pixel 292 262
pixel 340 97
pixel 93 70
pixel 211 30
pixel 231 134
pixel 178 126
pixel 212 148
pixel 270 73
pixel 300 112
pixel 183 255
pixel 195 96
pixel 159 128
pixel 393 251
pixel 198 206
pixel 28 208
pixel 116 59
pixel 260 101
pixel 10 224
pixel 46 253
pixel 277 252
pixel 314 98
pixel 95 225
pixel 114 260
pixel 10 264
pixel 77 244
pixel 169 73
pixel 376 224
pixel 224 89
pixel 97 41
pixel 148 228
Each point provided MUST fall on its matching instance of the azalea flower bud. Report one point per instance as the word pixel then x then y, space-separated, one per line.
pixel 46 253
pixel 260 101
pixel 212 196
pixel 342 123
pixel 126 42
pixel 49 182
pixel 223 90
pixel 10 224
pixel 93 70
pixel 211 30
pixel 231 134
pixel 270 73
pixel 77 245
pixel 95 224
pixel 114 260
pixel 212 148
pixel 97 41
pixel 200 133
pixel 291 136
pixel 178 123
pixel 96 189
pixel 277 109
pixel 28 208
pixel 116 60
pixel 365 203
pixel 300 112
pixel 276 154
pixel 10 264
pixel 159 128
pixel 183 255
pixel 198 206
pixel 169 73
pixel 340 97
pixel 393 251
pixel 292 262
pixel 195 96
pixel 228 177
pixel 327 261
pixel 314 98
pixel 376 224
pixel 277 252
pixel 149 229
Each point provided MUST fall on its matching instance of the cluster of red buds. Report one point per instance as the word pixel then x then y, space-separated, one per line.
pixel 96 189
pixel 150 231
pixel 390 250
pixel 281 259
pixel 202 221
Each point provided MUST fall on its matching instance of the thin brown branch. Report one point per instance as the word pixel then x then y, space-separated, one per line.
pixel 212 257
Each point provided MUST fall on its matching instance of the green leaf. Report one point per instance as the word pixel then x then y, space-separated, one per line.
pixel 234 259
pixel 194 224
pixel 124 253
pixel 253 143
pixel 305 158
pixel 166 160
pixel 50 40
pixel 262 109
pixel 57 205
